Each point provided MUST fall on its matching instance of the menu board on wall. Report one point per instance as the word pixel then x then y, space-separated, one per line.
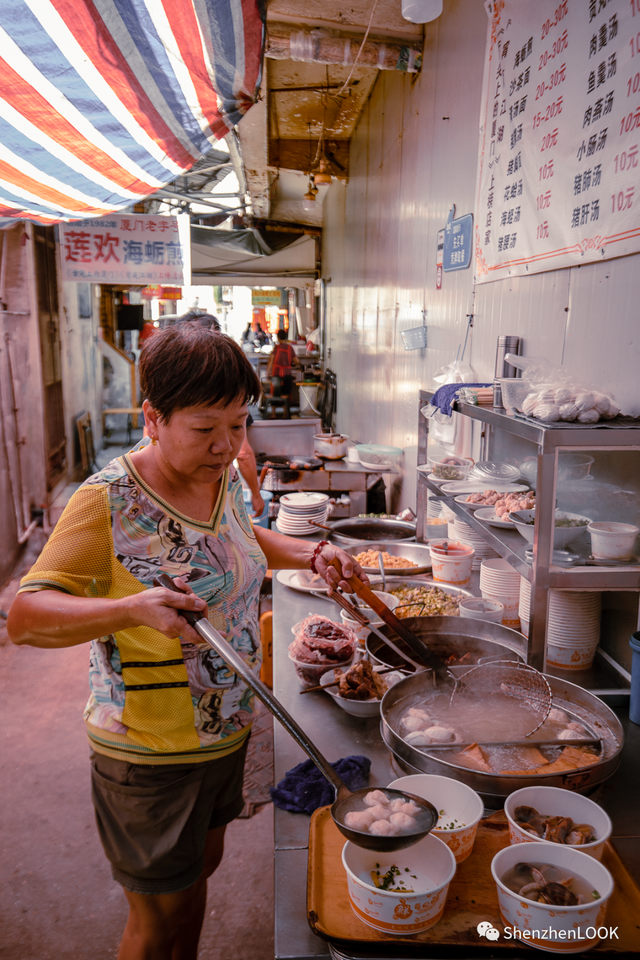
pixel 559 171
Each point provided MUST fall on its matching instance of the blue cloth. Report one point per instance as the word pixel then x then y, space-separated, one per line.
pixel 444 396
pixel 304 788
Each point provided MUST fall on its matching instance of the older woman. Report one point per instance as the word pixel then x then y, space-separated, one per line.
pixel 167 721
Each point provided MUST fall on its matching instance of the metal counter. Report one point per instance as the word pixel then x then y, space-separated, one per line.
pixel 339 735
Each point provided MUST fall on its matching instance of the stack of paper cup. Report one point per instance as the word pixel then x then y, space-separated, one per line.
pixel 499 581
pixel 462 531
pixel 524 606
pixel 573 629
pixel 434 505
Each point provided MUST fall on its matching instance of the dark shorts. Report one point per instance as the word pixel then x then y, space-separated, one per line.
pixel 153 821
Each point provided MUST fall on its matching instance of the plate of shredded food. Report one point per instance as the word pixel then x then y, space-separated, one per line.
pixel 399 559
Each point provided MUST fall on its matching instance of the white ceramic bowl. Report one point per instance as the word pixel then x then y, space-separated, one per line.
pixel 397 913
pixel 612 541
pixel 564 926
pixel 478 608
pixel 562 536
pixel 555 802
pixel 359 708
pixel 455 802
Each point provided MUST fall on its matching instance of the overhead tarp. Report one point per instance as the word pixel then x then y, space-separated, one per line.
pixel 248 258
pixel 102 102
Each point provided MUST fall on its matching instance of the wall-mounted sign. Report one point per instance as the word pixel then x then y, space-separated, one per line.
pixel 157 292
pixel 137 248
pixel 458 238
pixel 265 298
pixel 559 146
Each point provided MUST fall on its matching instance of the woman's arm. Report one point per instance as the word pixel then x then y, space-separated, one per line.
pixel 51 618
pixel 249 470
pixel 288 553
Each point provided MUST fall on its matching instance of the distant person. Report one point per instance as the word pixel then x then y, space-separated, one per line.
pixel 147 331
pixel 261 337
pixel 279 367
pixel 247 334
pixel 204 319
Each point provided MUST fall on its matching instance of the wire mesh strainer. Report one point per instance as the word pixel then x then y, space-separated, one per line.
pixel 510 678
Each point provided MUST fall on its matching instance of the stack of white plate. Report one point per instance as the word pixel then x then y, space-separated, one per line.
pixel 462 531
pixel 573 626
pixel 297 509
pixel 434 506
pixel 499 581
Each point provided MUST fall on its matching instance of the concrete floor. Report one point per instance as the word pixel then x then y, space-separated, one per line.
pixel 58 900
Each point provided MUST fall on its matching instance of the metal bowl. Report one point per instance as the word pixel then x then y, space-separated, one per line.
pixel 417 552
pixel 494 787
pixel 356 529
pixel 452 637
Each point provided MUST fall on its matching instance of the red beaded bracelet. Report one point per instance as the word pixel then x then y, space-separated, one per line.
pixel 316 553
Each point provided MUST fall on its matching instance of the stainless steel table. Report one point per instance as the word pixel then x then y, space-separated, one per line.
pixel 339 735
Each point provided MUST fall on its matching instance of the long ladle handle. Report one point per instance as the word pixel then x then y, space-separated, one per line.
pixel 418 647
pixel 235 662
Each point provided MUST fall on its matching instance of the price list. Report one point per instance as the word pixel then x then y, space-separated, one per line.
pixel 559 178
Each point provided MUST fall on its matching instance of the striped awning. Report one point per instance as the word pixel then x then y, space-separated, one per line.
pixel 102 102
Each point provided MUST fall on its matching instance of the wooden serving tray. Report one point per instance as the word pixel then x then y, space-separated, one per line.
pixel 472 898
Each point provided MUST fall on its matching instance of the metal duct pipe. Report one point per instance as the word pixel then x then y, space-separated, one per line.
pixel 318 46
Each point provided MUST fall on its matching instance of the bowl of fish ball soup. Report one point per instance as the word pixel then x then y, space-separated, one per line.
pixel 552 815
pixel 555 889
pixel 400 893
pixel 459 809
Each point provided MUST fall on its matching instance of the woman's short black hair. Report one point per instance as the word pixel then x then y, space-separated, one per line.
pixel 188 365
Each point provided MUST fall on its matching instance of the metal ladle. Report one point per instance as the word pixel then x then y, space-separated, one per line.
pixel 346 800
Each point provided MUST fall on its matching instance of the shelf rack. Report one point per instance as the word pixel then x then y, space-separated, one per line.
pixel 550 440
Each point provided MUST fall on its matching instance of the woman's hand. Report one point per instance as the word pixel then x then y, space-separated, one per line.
pixel 159 608
pixel 257 504
pixel 329 573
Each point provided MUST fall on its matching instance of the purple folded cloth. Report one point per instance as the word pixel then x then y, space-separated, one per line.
pixel 444 396
pixel 303 789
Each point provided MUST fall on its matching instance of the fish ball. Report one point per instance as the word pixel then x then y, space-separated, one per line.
pixel 415 723
pixel 557 715
pixel 375 797
pixel 404 806
pixel 418 738
pixel 382 828
pixel 441 734
pixel 568 734
pixel 359 819
pixel 402 821
pixel 380 812
pixel 417 712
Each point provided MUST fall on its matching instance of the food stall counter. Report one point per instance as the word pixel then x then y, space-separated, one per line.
pixel 339 735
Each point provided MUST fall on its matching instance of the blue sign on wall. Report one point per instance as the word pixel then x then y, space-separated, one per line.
pixel 458 237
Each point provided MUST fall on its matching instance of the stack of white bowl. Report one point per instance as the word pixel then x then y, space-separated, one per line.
pixel 499 581
pixel 462 531
pixel 297 509
pixel 434 506
pixel 573 626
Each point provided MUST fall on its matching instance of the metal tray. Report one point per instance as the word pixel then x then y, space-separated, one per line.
pixel 418 552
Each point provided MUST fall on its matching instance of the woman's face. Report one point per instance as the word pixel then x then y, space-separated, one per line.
pixel 199 443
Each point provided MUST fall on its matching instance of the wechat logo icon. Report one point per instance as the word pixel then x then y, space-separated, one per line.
pixel 486 929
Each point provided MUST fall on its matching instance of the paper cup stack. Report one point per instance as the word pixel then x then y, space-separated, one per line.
pixel 462 531
pixel 297 509
pixel 499 581
pixel 434 506
pixel 573 626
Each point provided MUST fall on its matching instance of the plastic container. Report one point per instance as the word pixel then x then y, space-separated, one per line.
pixel 450 468
pixel 375 456
pixel 634 700
pixel 612 541
pixel 263 519
pixel 557 802
pixel 477 609
pixel 309 674
pixel 456 802
pixel 451 561
pixel 566 928
pixel 394 912
pixel 435 528
pixel 513 390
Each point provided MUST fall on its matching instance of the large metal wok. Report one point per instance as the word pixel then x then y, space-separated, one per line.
pixel 356 529
pixel 469 641
pixel 493 787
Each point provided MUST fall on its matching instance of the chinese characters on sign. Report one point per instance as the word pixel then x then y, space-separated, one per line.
pixel 458 240
pixel 139 248
pixel 560 134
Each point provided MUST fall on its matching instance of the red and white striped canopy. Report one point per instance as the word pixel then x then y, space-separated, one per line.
pixel 102 102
